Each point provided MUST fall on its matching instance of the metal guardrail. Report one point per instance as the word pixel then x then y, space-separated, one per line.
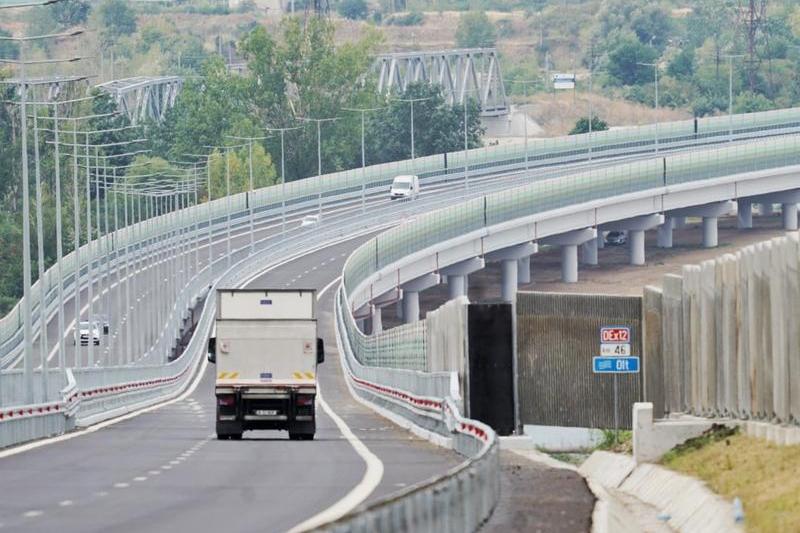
pixel 506 205
pixel 460 500
pixel 443 167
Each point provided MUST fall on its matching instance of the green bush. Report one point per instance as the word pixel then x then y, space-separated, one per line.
pixel 353 9
pixel 413 18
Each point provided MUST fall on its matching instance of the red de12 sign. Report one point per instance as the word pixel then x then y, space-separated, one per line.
pixel 615 334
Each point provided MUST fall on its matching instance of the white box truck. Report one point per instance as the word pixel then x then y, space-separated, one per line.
pixel 266 350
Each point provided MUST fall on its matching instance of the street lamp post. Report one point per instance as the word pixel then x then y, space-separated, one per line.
pixel 252 186
pixel 363 112
pixel 319 122
pixel 730 58
pixel 655 70
pixel 43 344
pixel 412 101
pixel 283 175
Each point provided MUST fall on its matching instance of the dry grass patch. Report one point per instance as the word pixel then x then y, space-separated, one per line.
pixel 766 477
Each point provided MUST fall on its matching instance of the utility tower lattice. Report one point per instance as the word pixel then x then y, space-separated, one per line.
pixel 465 73
pixel 143 97
pixel 752 14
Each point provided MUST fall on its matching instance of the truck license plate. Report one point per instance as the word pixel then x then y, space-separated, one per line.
pixel 266 412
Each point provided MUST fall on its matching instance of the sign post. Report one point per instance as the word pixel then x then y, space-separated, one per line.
pixel 615 358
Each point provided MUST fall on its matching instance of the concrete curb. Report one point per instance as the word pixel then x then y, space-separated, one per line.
pixel 685 504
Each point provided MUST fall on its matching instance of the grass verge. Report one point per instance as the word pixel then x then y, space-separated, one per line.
pixel 766 477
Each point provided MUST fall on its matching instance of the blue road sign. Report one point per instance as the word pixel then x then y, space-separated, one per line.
pixel 615 365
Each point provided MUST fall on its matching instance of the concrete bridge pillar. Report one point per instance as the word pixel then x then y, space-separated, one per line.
pixel 789 216
pixel 377 319
pixel 524 270
pixel 590 251
pixel 510 259
pixel 569 243
pixel 458 275
pixel 601 243
pixel 710 213
pixel 679 222
pixel 510 279
pixel 744 216
pixel 710 239
pixel 569 263
pixel 635 227
pixel 410 306
pixel 664 235
pixel 766 209
pixel 636 237
pixel 456 286
pixel 411 290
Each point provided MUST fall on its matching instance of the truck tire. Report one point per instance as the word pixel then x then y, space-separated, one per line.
pixel 301 436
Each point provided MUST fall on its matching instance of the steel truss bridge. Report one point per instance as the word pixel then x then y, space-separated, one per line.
pixel 144 97
pixel 461 73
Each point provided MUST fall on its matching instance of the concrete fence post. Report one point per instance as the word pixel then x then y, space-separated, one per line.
pixel 652 349
pixel 778 311
pixel 793 327
pixel 708 336
pixel 742 333
pixel 673 345
pixel 691 336
pixel 727 392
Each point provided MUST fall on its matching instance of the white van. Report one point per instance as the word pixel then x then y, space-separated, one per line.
pixel 404 187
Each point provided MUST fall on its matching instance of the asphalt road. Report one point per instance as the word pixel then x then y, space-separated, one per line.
pixel 164 470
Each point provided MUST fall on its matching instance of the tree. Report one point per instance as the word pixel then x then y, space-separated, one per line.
pixel 475 30
pixel 438 127
pixel 71 12
pixel 353 9
pixel 117 18
pixel 624 57
pixel 682 65
pixel 582 125
pixel 749 102
pixel 8 49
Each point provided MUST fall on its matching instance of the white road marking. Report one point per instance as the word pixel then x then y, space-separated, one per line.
pixel 33 514
pixel 101 493
pixel 175 462
pixel 140 478
pixel 166 467
pixel 121 485
pixel 65 503
pixel 372 475
pixel 359 493
pixel 154 472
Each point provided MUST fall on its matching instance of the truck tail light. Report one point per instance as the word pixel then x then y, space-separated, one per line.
pixel 226 401
pixel 305 400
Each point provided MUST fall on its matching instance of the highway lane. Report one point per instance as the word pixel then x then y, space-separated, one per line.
pixel 164 470
pixel 376 198
pixel 152 283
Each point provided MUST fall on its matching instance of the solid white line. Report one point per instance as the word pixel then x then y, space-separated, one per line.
pixel 359 493
pixel 327 287
pixel 372 475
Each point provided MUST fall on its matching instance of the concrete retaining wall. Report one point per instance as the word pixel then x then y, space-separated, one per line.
pixel 724 336
pixel 682 503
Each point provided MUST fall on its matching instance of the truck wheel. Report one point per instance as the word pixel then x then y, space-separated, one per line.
pixel 308 436
pixel 236 436
pixel 222 436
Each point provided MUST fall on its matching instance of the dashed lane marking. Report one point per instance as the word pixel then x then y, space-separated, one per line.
pixel 33 514
pixel 121 485
pixel 65 503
